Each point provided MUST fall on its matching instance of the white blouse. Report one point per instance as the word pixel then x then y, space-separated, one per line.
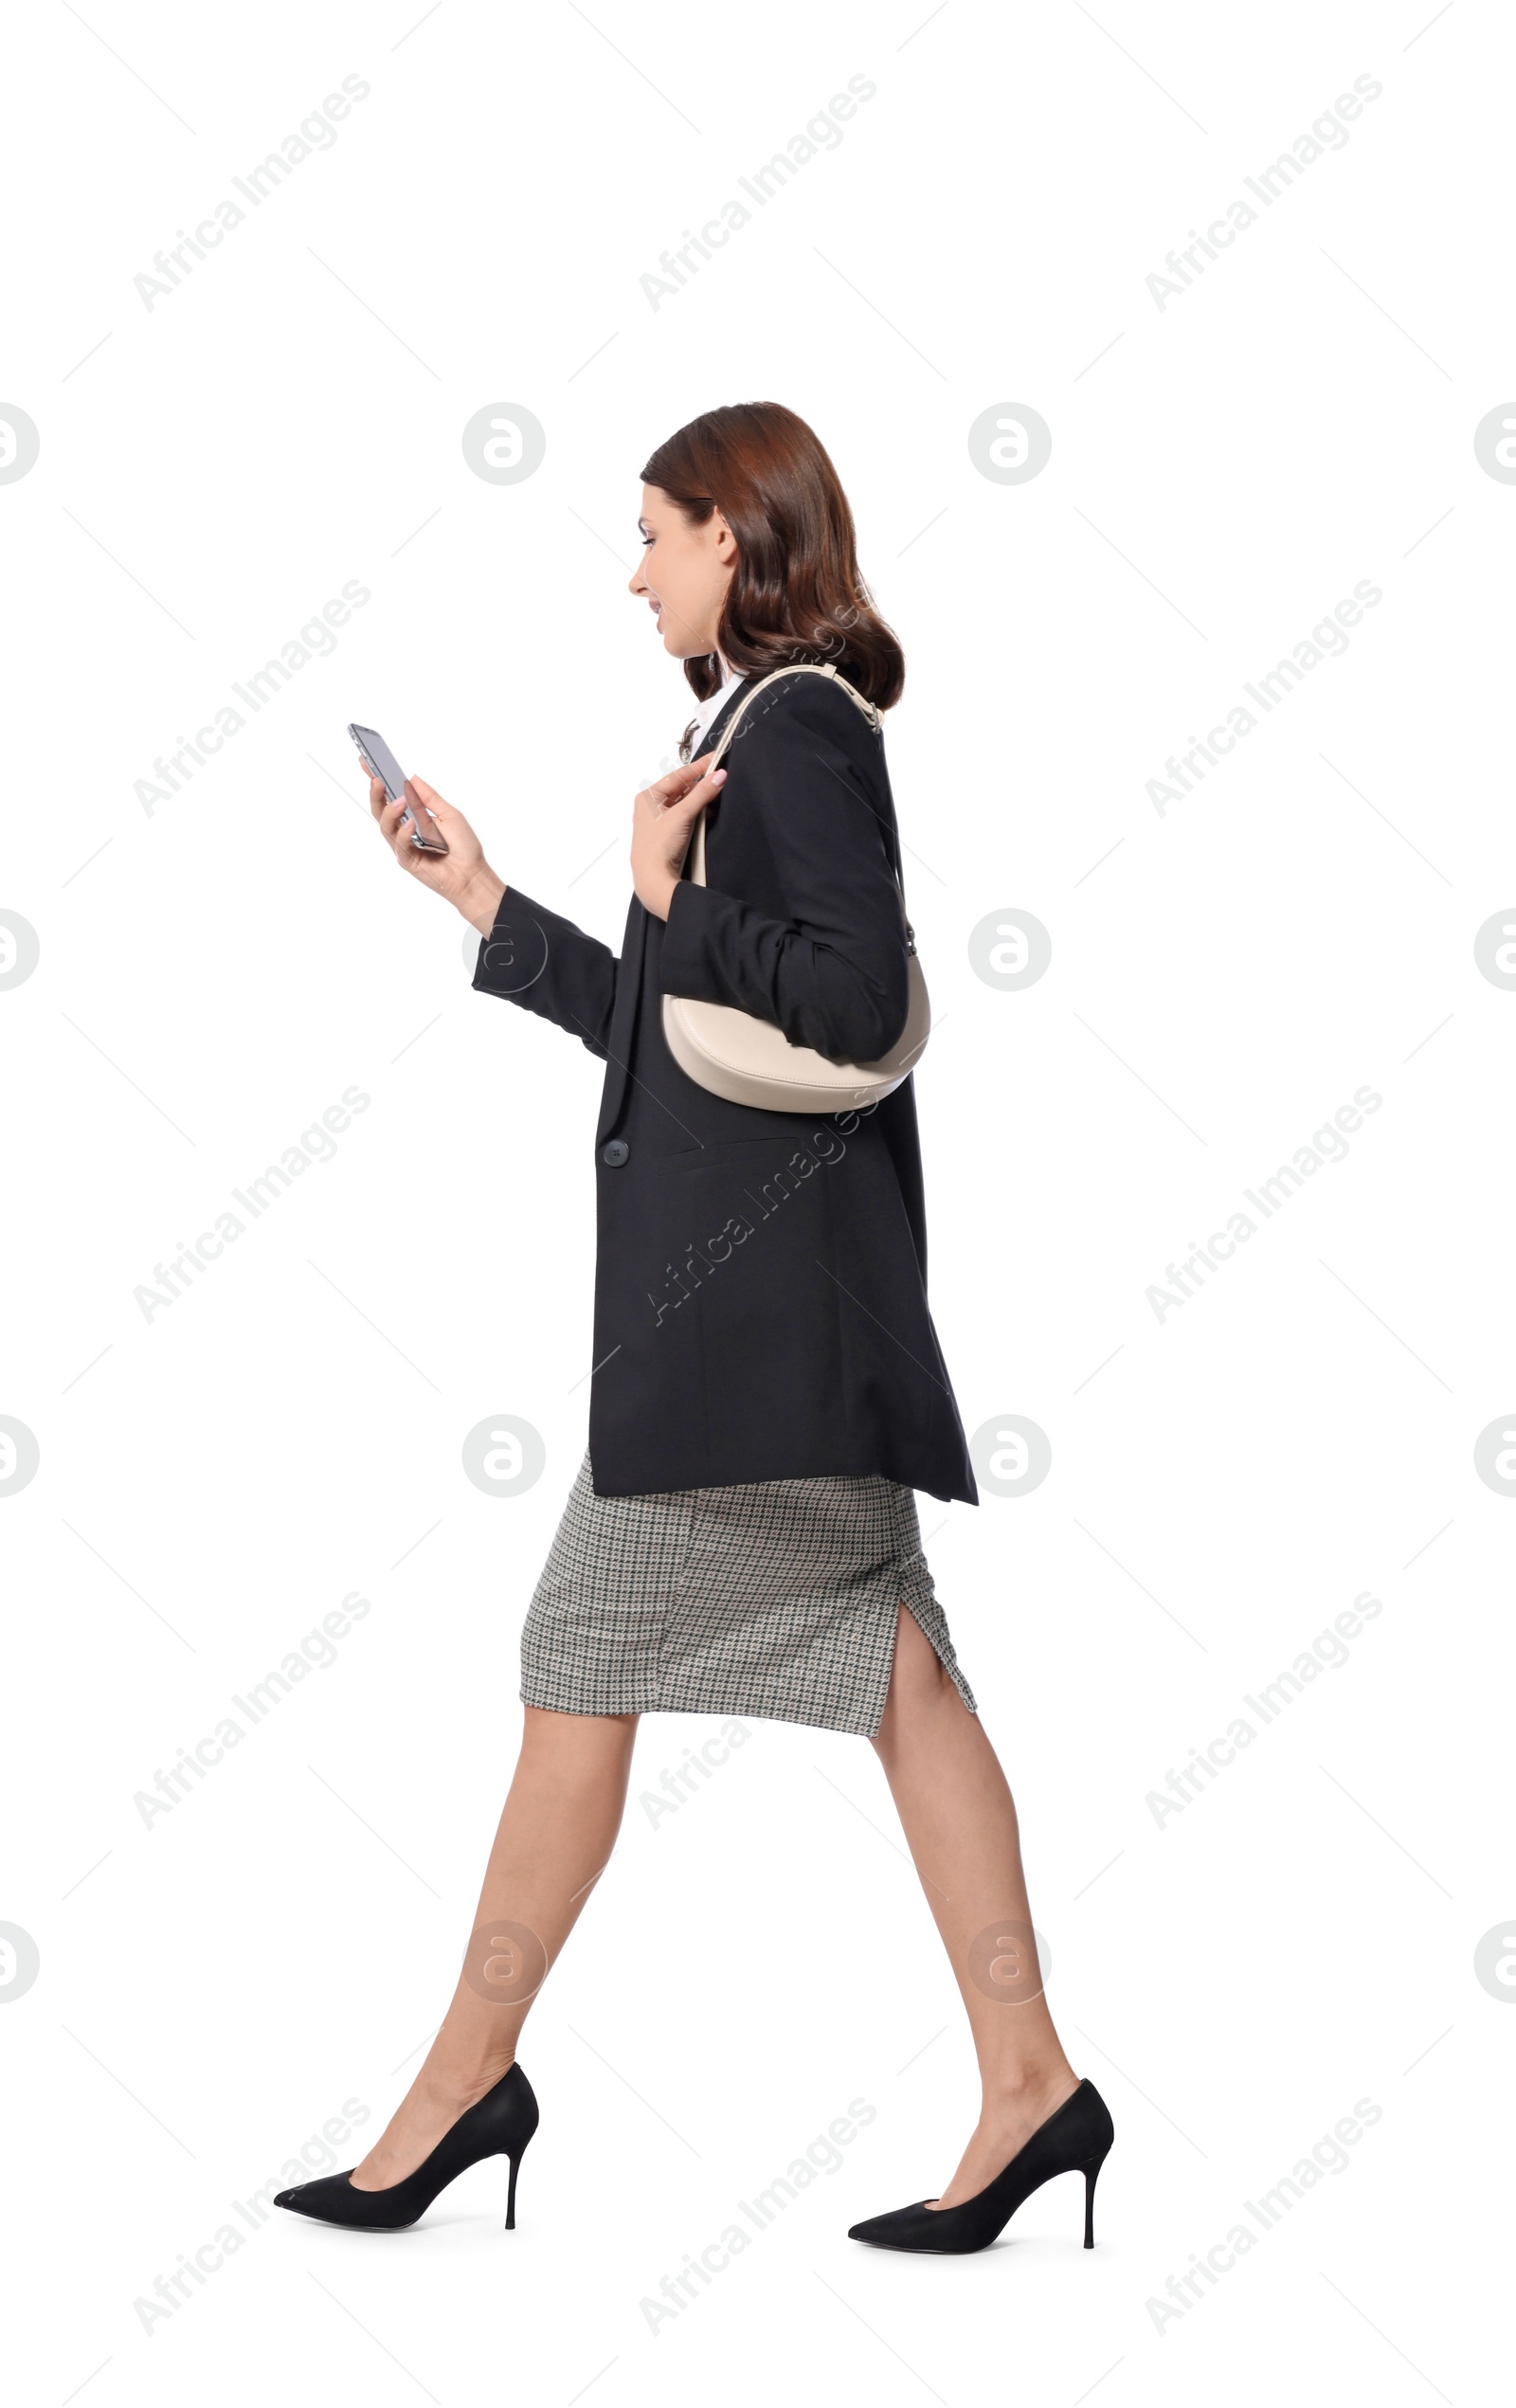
pixel 707 711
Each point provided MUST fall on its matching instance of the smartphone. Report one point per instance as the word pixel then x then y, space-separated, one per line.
pixel 381 763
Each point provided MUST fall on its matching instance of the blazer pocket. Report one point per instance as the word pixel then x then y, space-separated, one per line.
pixel 809 1149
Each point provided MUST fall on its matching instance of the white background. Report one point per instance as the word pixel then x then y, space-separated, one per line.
pixel 1226 1480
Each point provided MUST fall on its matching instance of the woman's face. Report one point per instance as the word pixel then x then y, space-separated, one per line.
pixel 683 573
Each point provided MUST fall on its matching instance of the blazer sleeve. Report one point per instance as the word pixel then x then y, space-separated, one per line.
pixel 832 972
pixel 536 958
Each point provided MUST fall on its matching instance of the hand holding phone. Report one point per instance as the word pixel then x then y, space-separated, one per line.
pixel 453 865
pixel 381 763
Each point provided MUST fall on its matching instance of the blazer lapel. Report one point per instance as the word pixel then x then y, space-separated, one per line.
pixel 629 976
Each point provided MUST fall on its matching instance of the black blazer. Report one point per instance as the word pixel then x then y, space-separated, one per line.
pixel 761 1277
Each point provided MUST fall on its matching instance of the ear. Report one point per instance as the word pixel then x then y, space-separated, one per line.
pixel 726 541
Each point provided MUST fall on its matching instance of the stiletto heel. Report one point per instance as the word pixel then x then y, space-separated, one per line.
pixel 1076 2139
pixel 498 2124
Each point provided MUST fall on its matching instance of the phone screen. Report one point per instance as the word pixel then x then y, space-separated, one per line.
pixel 425 833
pixel 380 761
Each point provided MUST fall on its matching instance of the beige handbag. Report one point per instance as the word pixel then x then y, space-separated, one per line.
pixel 749 1061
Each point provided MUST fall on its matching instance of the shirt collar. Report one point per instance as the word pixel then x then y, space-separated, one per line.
pixel 716 703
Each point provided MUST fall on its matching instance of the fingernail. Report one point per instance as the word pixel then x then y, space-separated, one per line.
pixel 717 776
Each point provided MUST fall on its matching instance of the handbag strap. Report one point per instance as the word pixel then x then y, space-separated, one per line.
pixel 798 668
pixel 808 668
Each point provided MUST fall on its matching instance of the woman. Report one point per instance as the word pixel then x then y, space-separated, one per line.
pixel 741 1537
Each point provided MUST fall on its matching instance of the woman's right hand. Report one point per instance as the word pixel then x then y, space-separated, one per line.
pixel 462 875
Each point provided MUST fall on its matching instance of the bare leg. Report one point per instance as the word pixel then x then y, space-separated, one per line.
pixel 960 1822
pixel 557 1829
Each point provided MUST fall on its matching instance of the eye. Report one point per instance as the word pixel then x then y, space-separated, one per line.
pixel 646 540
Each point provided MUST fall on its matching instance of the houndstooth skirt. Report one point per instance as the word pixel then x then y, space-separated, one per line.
pixel 768 1597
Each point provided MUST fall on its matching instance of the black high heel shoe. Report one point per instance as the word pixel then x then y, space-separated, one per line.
pixel 498 2124
pixel 1074 2139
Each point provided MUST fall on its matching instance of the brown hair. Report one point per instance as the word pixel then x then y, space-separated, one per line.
pixel 796 592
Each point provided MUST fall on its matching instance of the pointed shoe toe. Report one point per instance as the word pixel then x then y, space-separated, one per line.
pixel 498 2124
pixel 1076 2139
pixel 332 2199
pixel 932 2232
pixel 889 2229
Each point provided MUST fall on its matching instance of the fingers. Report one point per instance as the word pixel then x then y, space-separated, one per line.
pixel 685 788
pixel 673 823
pixel 680 781
pixel 434 802
pixel 388 815
pixel 394 827
pixel 701 794
pixel 415 790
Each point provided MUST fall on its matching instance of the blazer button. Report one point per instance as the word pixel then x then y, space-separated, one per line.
pixel 616 1153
